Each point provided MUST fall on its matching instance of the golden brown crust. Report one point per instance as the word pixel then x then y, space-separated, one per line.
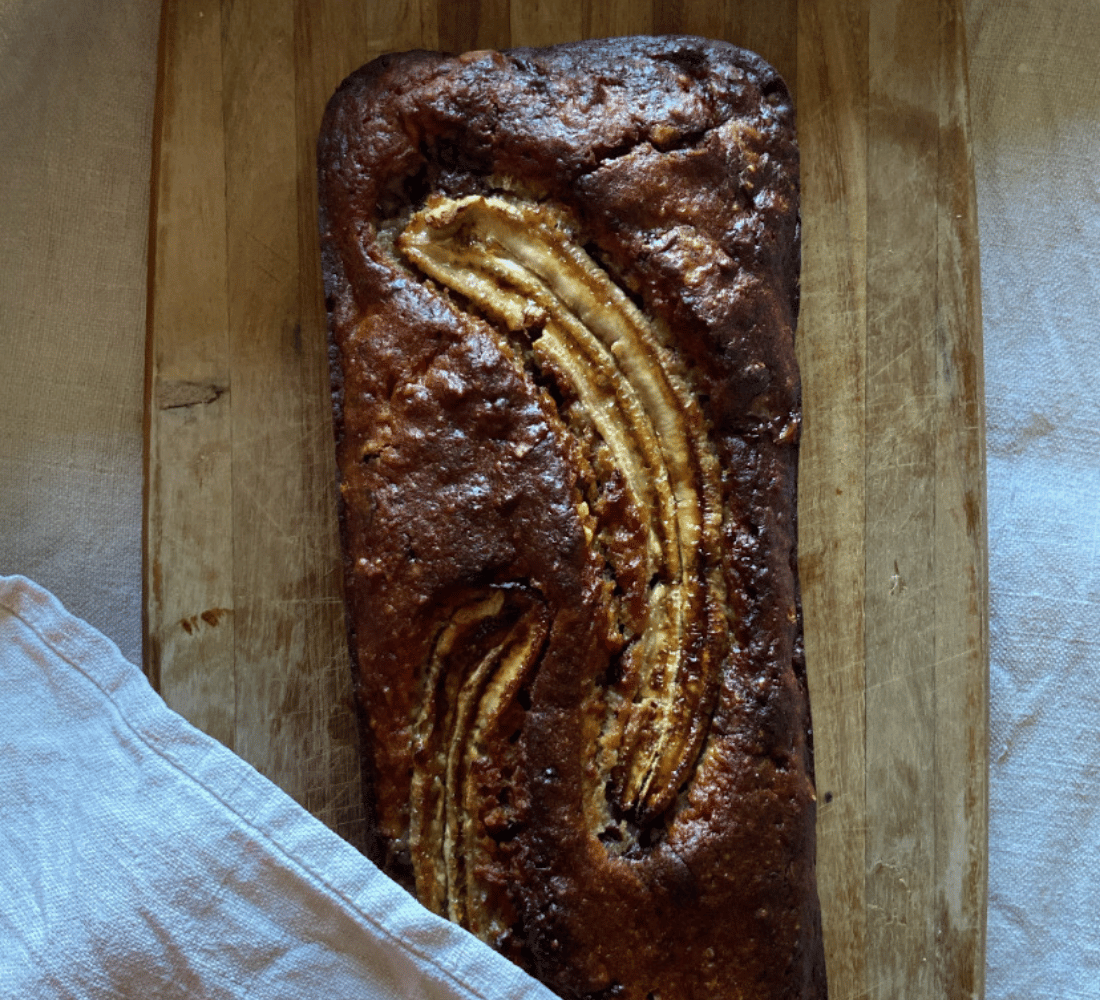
pixel 562 288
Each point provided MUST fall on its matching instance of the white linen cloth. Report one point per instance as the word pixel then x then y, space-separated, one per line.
pixel 142 860
pixel 1035 109
pixel 77 83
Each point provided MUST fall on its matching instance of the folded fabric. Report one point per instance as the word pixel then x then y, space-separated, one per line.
pixel 141 859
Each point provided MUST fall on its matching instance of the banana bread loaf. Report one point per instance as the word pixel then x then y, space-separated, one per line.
pixel 562 289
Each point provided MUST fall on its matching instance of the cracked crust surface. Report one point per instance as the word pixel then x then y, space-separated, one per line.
pixel 562 287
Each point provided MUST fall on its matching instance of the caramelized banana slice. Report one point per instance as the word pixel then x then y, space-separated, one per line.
pixel 520 265
pixel 481 656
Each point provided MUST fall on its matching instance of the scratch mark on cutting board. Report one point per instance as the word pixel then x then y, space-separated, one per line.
pixel 172 394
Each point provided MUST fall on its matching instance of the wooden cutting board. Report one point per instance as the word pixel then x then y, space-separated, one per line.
pixel 244 624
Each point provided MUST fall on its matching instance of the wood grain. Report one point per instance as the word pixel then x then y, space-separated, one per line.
pixel 832 108
pixel 188 592
pixel 244 624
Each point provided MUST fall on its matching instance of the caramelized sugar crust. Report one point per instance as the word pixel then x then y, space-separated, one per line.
pixel 562 287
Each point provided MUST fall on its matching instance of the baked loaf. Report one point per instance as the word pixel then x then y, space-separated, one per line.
pixel 562 288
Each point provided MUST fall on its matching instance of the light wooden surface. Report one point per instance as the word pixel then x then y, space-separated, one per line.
pixel 244 629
